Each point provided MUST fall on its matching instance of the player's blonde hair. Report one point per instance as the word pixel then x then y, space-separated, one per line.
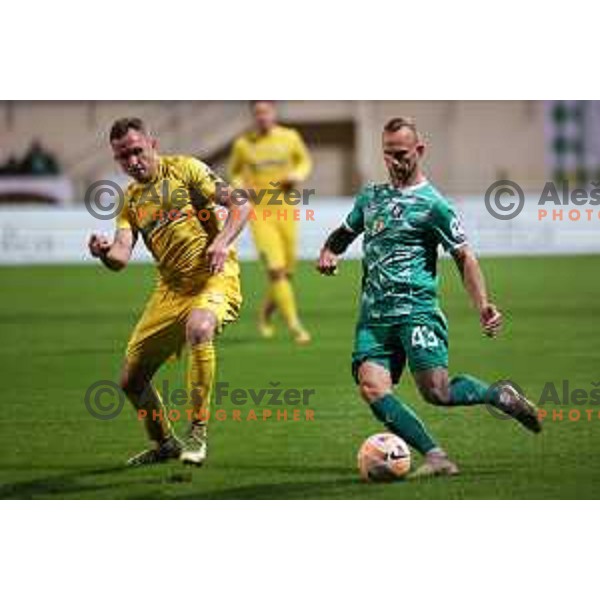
pixel 398 123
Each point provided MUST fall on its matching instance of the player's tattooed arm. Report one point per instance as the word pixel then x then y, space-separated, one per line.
pixel 339 239
pixel 336 244
pixel 115 255
pixel 237 217
pixel 474 282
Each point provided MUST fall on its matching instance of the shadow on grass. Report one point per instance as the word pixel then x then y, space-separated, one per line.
pixel 161 484
pixel 186 483
pixel 287 490
pixel 58 485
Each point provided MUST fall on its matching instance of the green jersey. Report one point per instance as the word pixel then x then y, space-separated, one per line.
pixel 402 231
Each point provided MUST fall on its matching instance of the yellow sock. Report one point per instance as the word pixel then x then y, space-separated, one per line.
pixel 201 377
pixel 283 294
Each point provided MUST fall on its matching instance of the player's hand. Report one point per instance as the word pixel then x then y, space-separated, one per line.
pixel 98 245
pixel 216 254
pixel 327 263
pixel 491 320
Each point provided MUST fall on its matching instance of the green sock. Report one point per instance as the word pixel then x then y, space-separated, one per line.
pixel 402 421
pixel 469 391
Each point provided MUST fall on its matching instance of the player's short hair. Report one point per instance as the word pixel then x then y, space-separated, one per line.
pixel 398 123
pixel 253 103
pixel 120 127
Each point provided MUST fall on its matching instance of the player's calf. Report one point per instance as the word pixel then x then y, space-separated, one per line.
pixel 433 386
pixel 436 395
pixel 136 382
pixel 466 390
pixel 133 383
pixel 282 294
pixel 265 318
pixel 200 331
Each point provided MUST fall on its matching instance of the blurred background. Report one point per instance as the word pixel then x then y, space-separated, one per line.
pixel 50 153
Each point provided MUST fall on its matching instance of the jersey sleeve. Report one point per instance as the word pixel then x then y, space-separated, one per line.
pixel 447 226
pixel 203 180
pixel 123 220
pixel 355 220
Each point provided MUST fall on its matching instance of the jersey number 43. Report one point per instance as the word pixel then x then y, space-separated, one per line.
pixel 423 337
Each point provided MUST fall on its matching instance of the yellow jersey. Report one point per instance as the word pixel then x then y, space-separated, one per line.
pixel 263 161
pixel 178 218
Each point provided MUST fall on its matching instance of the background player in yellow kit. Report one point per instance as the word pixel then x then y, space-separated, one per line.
pixel 268 155
pixel 172 204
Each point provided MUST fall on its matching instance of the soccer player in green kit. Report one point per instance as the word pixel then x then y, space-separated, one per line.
pixel 404 221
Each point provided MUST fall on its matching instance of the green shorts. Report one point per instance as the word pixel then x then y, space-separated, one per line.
pixel 420 338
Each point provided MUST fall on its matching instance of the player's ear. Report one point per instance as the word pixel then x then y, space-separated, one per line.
pixel 420 148
pixel 154 143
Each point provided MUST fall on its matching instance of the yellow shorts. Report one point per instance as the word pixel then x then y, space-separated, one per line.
pixel 275 242
pixel 160 332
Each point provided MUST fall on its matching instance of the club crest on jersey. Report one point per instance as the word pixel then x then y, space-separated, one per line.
pixel 378 225
pixel 397 211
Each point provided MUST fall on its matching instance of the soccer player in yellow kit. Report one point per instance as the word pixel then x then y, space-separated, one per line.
pixel 271 157
pixel 172 204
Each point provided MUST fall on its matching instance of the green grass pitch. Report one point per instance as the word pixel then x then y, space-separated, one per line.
pixel 63 328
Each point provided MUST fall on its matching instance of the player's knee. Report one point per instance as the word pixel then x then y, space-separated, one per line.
pixel 371 390
pixel 437 395
pixel 125 383
pixel 277 274
pixel 202 330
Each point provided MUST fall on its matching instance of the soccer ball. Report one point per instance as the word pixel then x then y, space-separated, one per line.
pixel 383 457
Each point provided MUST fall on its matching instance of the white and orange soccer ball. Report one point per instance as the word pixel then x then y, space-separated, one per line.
pixel 383 457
